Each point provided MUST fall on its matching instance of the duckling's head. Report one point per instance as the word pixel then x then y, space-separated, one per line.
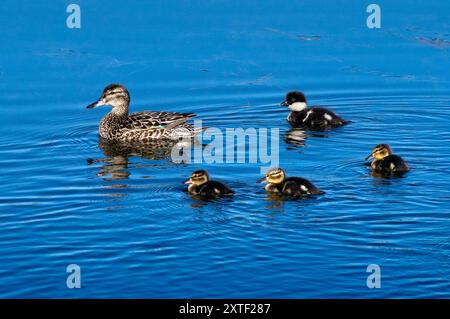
pixel 115 95
pixel 273 176
pixel 380 151
pixel 198 178
pixel 296 101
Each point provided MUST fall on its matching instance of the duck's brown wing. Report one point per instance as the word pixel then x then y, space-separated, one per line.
pixel 156 119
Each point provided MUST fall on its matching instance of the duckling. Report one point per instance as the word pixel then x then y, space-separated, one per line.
pixel 200 184
pixel 386 162
pixel 291 186
pixel 144 127
pixel 313 118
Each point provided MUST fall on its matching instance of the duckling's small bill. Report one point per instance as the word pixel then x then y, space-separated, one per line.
pixel 261 180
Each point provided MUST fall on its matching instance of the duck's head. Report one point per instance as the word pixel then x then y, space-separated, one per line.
pixel 198 178
pixel 273 176
pixel 296 101
pixel 380 151
pixel 116 96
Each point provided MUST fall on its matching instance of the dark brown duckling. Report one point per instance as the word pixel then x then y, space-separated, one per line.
pixel 277 182
pixel 311 118
pixel 200 184
pixel 385 162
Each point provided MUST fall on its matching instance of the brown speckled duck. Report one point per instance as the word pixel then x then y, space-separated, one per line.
pixel 139 127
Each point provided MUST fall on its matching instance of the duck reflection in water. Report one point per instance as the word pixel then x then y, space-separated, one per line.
pixel 275 201
pixel 114 166
pixel 296 137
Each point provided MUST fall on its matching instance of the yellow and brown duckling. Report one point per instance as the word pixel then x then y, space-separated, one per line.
pixel 200 184
pixel 277 182
pixel 140 127
pixel 384 161
pixel 311 118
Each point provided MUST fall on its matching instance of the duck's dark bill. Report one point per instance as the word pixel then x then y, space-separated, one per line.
pixel 95 104
pixel 261 180
pixel 369 157
pixel 284 103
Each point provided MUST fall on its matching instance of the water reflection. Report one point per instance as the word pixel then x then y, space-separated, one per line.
pixel 389 175
pixel 115 164
pixel 274 201
pixel 156 150
pixel 385 179
pixel 277 201
pixel 112 168
pixel 296 137
pixel 199 201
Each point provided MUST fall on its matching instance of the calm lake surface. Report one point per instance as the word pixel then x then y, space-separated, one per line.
pixel 125 218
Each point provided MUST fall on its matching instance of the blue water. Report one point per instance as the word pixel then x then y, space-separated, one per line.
pixel 125 220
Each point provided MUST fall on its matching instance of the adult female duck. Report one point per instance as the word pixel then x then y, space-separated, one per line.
pixel 145 126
